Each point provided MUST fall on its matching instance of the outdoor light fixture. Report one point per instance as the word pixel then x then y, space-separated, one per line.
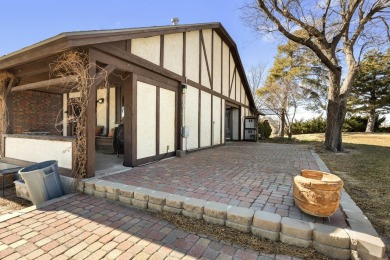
pixel 100 101
pixel 184 88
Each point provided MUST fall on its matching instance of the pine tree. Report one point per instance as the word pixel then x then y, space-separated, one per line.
pixel 371 89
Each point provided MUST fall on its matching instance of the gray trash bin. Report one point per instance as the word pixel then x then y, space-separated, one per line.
pixel 43 181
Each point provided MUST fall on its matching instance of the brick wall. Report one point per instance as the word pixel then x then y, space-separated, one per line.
pixel 36 111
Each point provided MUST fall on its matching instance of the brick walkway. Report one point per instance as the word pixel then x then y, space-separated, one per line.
pixel 86 227
pixel 251 175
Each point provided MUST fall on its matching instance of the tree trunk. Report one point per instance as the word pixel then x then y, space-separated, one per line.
pixel 335 114
pixel 282 123
pixel 371 121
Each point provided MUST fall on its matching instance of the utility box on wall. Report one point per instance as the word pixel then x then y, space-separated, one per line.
pixel 250 128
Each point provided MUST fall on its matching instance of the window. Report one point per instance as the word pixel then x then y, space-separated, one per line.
pixel 119 105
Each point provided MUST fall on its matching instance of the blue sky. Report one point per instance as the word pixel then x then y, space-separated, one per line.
pixel 23 23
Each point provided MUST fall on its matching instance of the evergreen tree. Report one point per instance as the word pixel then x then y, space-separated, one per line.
pixel 371 89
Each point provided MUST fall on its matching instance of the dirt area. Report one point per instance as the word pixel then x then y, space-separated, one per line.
pixel 10 202
pixel 232 236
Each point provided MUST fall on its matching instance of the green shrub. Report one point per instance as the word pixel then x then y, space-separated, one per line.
pixel 264 129
pixel 311 126
pixel 359 123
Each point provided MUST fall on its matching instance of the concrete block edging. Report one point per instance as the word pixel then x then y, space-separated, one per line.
pixel 260 223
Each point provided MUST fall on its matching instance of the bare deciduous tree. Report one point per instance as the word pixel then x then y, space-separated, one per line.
pixel 339 32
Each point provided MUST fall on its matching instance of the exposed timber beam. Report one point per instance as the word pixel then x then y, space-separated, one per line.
pixel 46 83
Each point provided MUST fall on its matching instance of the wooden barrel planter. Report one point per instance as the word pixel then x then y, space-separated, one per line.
pixel 317 193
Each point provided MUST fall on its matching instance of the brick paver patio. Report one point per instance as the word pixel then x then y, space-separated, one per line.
pixel 245 174
pixel 87 227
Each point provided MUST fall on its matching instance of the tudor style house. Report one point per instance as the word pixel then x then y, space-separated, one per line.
pixel 174 88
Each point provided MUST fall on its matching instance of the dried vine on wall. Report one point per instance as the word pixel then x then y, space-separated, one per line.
pixel 5 78
pixel 73 63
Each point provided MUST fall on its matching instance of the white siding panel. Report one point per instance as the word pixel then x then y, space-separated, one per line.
pixel 167 120
pixel 101 114
pixel 173 52
pixel 223 120
pixel 207 44
pixel 238 87
pixel 225 71
pixel 217 70
pixel 216 120
pixel 147 48
pixel 205 122
pixel 242 121
pixel 146 120
pixel 191 116
pixel 112 108
pixel 192 56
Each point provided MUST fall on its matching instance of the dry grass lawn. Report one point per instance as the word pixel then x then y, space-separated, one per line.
pixel 365 169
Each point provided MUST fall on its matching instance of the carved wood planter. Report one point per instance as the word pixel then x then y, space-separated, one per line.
pixel 317 193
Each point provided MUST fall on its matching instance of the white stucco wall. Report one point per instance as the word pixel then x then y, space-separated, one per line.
pixel 101 114
pixel 191 116
pixel 243 95
pixel 238 87
pixel 192 56
pixel 147 48
pixel 223 120
pixel 173 52
pixel 233 77
pixel 205 125
pixel 167 120
pixel 35 150
pixel 205 79
pixel 242 121
pixel 146 120
pixel 236 123
pixel 225 70
pixel 217 120
pixel 217 64
pixel 112 108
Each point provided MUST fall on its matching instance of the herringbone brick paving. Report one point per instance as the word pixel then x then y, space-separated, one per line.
pixel 251 175
pixel 87 227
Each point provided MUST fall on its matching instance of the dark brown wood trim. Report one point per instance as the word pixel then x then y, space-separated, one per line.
pixel 129 67
pixel 200 58
pixel 222 114
pixel 239 124
pixel 137 61
pixel 46 83
pixel 212 60
pixel 199 115
pixel 108 108
pixel 129 86
pixel 154 158
pixel 179 118
pixel 184 53
pixel 221 66
pixel 229 78
pixel 156 83
pixel 162 50
pixel 128 46
pixel 203 88
pixel 91 122
pixel 212 122
pixel 232 104
pixel 157 120
pixel 206 59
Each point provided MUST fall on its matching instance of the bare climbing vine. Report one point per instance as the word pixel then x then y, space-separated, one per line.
pixel 5 78
pixel 73 65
